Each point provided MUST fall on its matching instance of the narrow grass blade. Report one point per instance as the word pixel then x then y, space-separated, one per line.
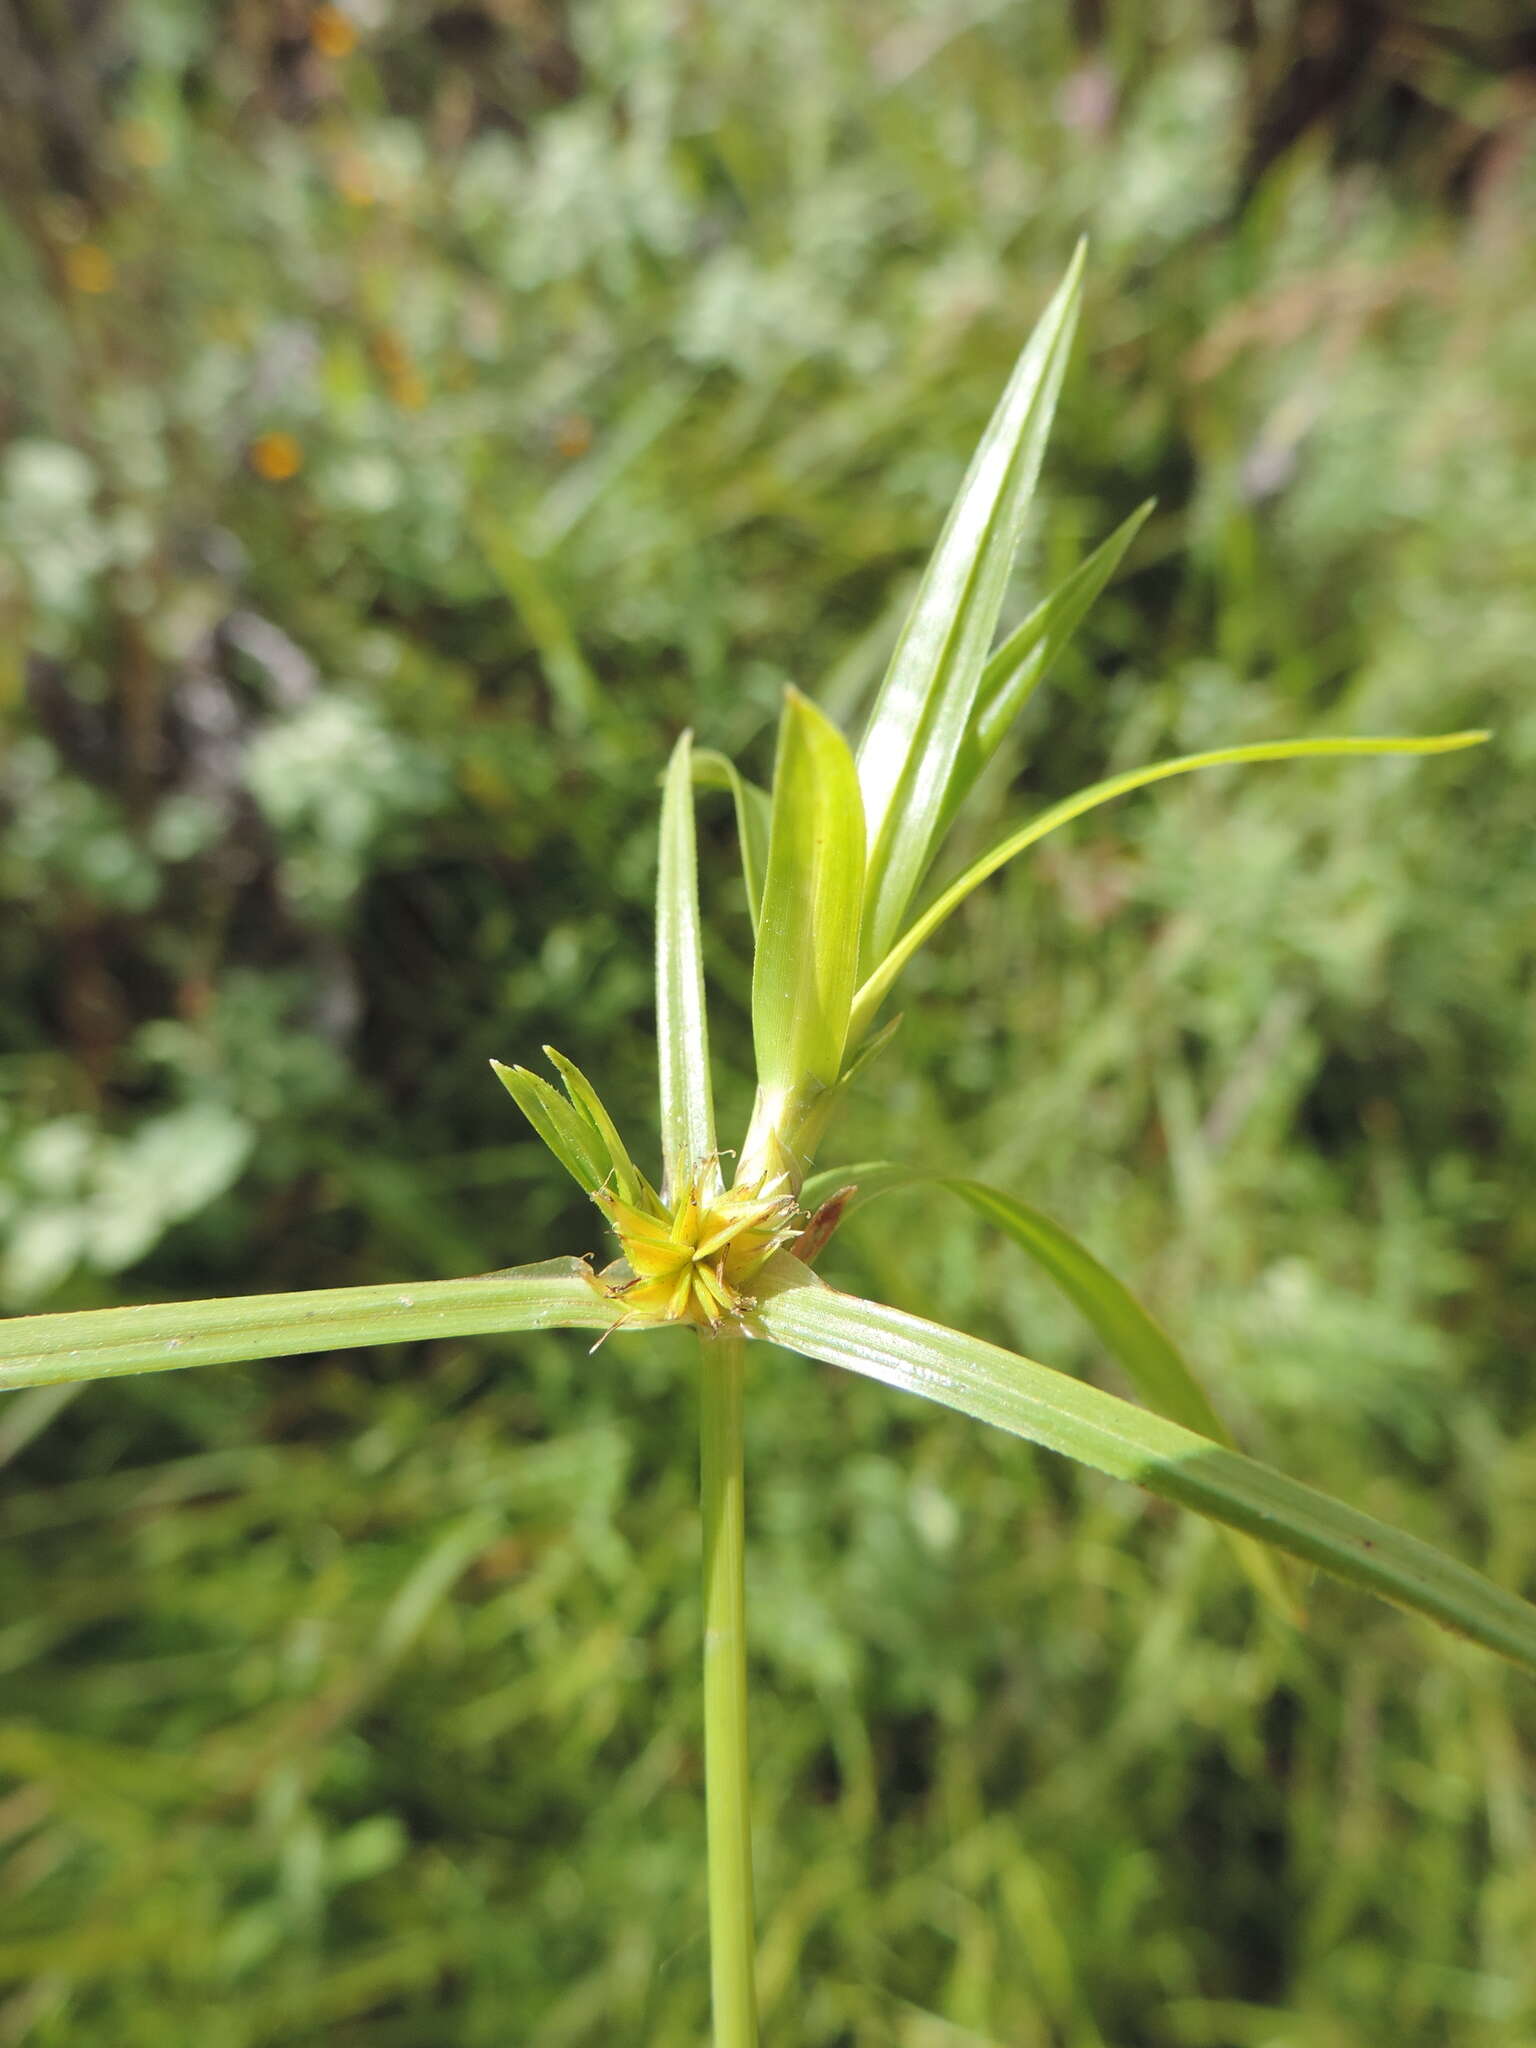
pixel 571 682
pixel 586 481
pixel 753 817
pixel 928 698
pixel 567 1133
pixel 1081 1422
pixel 682 1032
pixel 106 1343
pixel 808 939
pixel 1159 1373
pixel 1151 1361
pixel 627 1178
pixel 1023 661
pixel 874 990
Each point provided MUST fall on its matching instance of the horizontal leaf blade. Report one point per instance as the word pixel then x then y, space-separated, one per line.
pixel 1081 1422
pixel 877 986
pixel 1153 1363
pixel 107 1343
pixel 1161 1375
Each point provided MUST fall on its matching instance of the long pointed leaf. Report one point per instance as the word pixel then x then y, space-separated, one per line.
pixel 807 954
pixel 568 1134
pixel 874 990
pixel 926 702
pixel 1156 1368
pixel 627 1177
pixel 753 818
pixel 1151 1361
pixel 682 1031
pixel 577 694
pixel 1024 660
pixel 1081 1422
pixel 105 1343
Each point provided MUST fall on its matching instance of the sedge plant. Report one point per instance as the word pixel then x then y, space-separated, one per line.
pixel 836 856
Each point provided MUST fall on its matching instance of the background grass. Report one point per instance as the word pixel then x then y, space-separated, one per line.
pixel 415 416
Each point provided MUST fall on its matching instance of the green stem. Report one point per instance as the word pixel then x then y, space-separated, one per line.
pixel 731 1922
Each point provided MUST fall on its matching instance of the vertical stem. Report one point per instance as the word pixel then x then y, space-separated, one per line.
pixel 731 1921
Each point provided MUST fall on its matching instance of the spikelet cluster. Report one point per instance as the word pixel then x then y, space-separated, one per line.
pixel 695 1262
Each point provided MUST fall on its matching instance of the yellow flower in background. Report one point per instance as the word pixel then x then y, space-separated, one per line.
pixel 404 382
pixel 333 33
pixel 276 457
pixel 89 269
pixel 572 435
pixel 144 145
pixel 353 179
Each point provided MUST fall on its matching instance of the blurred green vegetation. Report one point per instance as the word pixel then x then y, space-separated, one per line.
pixel 415 415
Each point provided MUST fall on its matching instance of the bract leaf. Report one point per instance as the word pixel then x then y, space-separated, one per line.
pixel 630 1183
pixel 753 815
pixel 105 1343
pixel 682 1031
pixel 567 1133
pixel 874 989
pixel 1031 1401
pixel 926 703
pixel 807 954
pixel 1150 1359
pixel 1158 1371
pixel 1023 661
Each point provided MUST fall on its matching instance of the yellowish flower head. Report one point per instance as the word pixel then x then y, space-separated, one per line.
pixel 695 1262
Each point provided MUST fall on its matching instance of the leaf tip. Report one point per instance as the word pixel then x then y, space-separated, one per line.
pixel 1453 742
